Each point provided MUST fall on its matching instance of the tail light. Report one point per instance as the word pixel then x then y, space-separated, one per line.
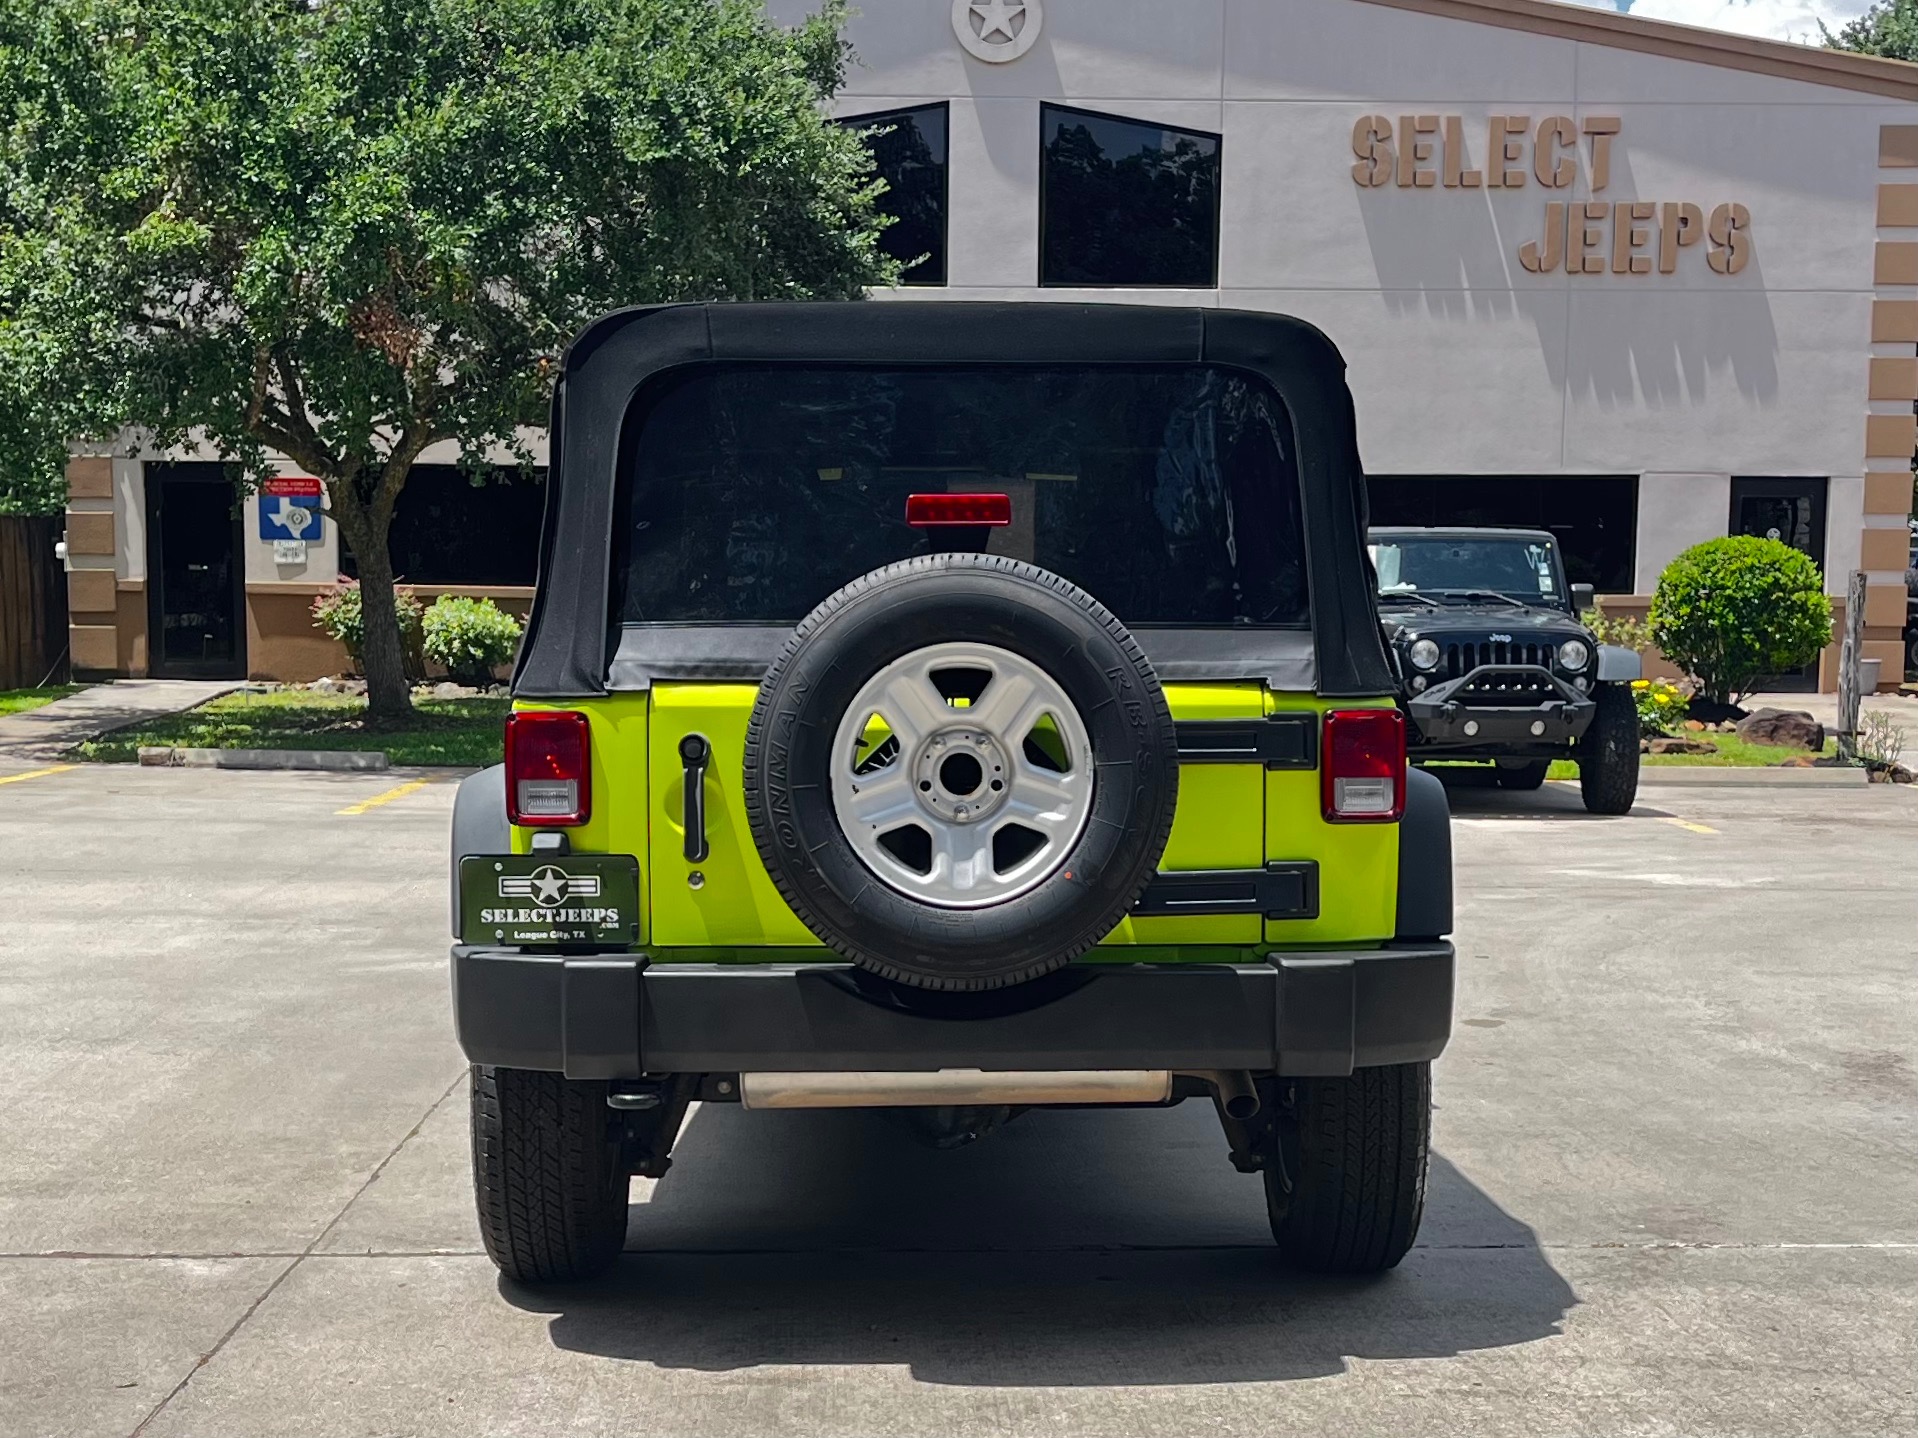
pixel 548 769
pixel 927 510
pixel 1362 765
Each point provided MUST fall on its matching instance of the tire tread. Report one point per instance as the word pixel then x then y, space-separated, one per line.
pixel 1362 1151
pixel 1608 754
pixel 551 1207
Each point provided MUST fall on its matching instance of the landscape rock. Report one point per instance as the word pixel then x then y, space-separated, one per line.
pixel 447 689
pixel 324 686
pixel 1697 726
pixel 1789 728
pixel 1675 745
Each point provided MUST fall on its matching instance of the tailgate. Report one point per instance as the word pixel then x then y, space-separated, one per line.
pixel 1229 816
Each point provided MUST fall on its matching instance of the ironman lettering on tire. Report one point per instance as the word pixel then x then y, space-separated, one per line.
pixel 961 771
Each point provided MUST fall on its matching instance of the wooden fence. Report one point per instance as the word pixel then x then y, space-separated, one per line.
pixel 33 602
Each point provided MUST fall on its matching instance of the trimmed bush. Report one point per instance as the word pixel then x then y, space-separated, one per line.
pixel 469 638
pixel 1731 612
pixel 336 613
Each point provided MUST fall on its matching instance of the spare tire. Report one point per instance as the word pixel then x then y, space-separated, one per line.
pixel 961 771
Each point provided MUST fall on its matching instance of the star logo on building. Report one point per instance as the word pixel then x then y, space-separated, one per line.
pixel 996 30
pixel 995 17
pixel 549 886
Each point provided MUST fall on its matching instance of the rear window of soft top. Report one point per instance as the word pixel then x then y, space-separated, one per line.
pixel 1170 493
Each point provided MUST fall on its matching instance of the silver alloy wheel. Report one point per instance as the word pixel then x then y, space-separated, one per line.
pixel 974 797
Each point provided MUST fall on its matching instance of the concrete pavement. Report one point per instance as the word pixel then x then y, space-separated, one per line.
pixel 52 729
pixel 1675 1188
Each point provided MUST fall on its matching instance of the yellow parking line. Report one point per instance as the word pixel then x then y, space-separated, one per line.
pixel 1688 824
pixel 410 787
pixel 37 773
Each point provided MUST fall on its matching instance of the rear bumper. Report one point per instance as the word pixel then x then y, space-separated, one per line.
pixel 618 1016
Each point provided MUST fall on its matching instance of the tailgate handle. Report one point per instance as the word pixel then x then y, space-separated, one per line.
pixel 694 754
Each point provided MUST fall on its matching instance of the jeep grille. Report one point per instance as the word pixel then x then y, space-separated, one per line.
pixel 1464 658
pixel 1502 689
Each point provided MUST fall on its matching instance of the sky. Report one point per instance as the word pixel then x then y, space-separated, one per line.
pixel 1772 19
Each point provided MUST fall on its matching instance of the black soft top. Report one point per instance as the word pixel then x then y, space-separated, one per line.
pixel 574 647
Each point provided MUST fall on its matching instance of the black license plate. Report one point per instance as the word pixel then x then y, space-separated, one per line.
pixel 548 899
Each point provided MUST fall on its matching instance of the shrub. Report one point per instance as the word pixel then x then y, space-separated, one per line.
pixel 1731 611
pixel 1624 631
pixel 336 613
pixel 469 638
pixel 1661 706
pixel 1880 741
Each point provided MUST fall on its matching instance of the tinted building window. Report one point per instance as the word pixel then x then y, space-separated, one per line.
pixel 1789 509
pixel 1594 516
pixel 1124 202
pixel 1169 492
pixel 909 148
pixel 448 530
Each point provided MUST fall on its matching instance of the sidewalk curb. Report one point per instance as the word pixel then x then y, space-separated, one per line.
pixel 331 761
pixel 1708 776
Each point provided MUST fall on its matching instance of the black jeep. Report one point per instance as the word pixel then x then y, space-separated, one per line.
pixel 1495 664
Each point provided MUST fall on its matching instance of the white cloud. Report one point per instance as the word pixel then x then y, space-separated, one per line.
pixel 1769 19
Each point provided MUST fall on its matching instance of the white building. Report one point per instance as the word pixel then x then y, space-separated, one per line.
pixel 1640 283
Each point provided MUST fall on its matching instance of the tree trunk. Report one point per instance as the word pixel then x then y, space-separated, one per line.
pixel 382 655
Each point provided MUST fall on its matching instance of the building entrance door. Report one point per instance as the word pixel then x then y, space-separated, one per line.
pixel 1792 510
pixel 195 581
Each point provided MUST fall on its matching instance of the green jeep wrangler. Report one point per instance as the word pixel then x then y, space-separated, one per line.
pixel 952 708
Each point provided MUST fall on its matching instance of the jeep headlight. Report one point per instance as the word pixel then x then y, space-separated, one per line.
pixel 1424 654
pixel 1574 654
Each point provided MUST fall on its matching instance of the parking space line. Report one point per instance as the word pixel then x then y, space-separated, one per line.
pixel 1688 824
pixel 37 773
pixel 412 786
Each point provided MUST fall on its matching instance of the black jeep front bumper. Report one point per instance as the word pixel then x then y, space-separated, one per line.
pixel 1464 713
pixel 620 1015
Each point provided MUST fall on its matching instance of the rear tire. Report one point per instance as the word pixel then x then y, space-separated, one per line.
pixel 1608 754
pixel 1347 1189
pixel 547 1175
pixel 1522 774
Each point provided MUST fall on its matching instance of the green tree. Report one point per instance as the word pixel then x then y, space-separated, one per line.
pixel 344 231
pixel 1889 28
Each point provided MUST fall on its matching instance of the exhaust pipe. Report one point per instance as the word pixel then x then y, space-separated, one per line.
pixel 954 1086
pixel 1237 1098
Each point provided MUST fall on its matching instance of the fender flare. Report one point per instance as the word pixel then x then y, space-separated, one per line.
pixel 1617 665
pixel 479 825
pixel 1425 859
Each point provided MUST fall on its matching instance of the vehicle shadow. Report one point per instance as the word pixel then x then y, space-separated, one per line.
pixel 1474 792
pixel 1092 1248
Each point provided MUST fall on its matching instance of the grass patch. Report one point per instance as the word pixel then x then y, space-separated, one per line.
pixel 441 731
pixel 1733 753
pixel 18 701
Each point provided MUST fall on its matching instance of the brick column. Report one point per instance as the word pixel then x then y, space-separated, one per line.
pixel 1891 421
pixel 93 636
